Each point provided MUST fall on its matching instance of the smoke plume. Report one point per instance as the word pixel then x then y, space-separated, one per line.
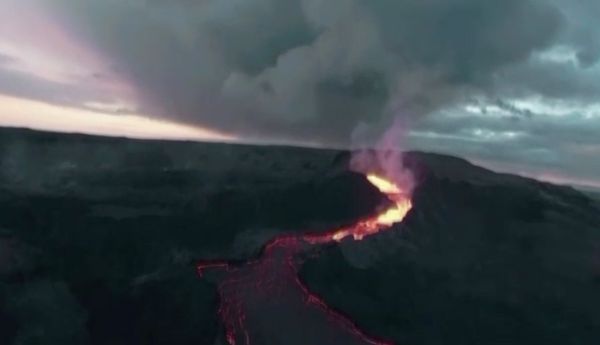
pixel 310 70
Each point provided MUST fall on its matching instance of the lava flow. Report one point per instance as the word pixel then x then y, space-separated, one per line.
pixel 263 301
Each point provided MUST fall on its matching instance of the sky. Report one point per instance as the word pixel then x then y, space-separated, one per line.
pixel 509 84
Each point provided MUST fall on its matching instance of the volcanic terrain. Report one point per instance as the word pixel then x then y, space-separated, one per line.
pixel 101 240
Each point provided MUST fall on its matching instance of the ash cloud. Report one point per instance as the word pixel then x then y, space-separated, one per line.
pixel 312 70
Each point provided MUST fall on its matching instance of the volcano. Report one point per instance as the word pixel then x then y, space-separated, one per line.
pixel 264 291
pixel 102 240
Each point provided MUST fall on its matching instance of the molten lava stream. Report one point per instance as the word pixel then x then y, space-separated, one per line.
pixel 263 301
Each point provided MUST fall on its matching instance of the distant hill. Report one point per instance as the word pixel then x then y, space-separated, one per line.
pixel 98 237
pixel 593 193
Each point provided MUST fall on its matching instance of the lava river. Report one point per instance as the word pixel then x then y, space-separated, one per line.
pixel 263 301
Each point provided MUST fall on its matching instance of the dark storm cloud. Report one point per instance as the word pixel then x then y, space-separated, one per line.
pixel 312 69
pixel 567 69
pixel 536 143
pixel 556 80
pixel 582 32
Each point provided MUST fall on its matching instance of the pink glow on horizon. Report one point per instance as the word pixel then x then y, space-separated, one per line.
pixel 44 46
pixel 17 112
pixel 40 43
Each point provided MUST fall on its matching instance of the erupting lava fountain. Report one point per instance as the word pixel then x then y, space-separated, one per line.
pixel 263 301
pixel 401 204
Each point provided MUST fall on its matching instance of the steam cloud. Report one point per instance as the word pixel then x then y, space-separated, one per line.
pixel 312 70
pixel 386 159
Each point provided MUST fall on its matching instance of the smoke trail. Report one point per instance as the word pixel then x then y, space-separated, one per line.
pixel 386 158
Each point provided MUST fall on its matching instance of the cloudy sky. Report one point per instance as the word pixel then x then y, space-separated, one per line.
pixel 512 84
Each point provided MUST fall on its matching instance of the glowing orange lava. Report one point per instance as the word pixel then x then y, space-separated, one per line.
pixel 382 221
pixel 253 293
pixel 399 197
pixel 385 186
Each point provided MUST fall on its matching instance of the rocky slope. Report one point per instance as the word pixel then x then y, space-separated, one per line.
pixel 483 258
pixel 98 238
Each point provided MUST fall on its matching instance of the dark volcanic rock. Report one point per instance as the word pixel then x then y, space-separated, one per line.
pixel 483 258
pixel 99 237
pixel 114 226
